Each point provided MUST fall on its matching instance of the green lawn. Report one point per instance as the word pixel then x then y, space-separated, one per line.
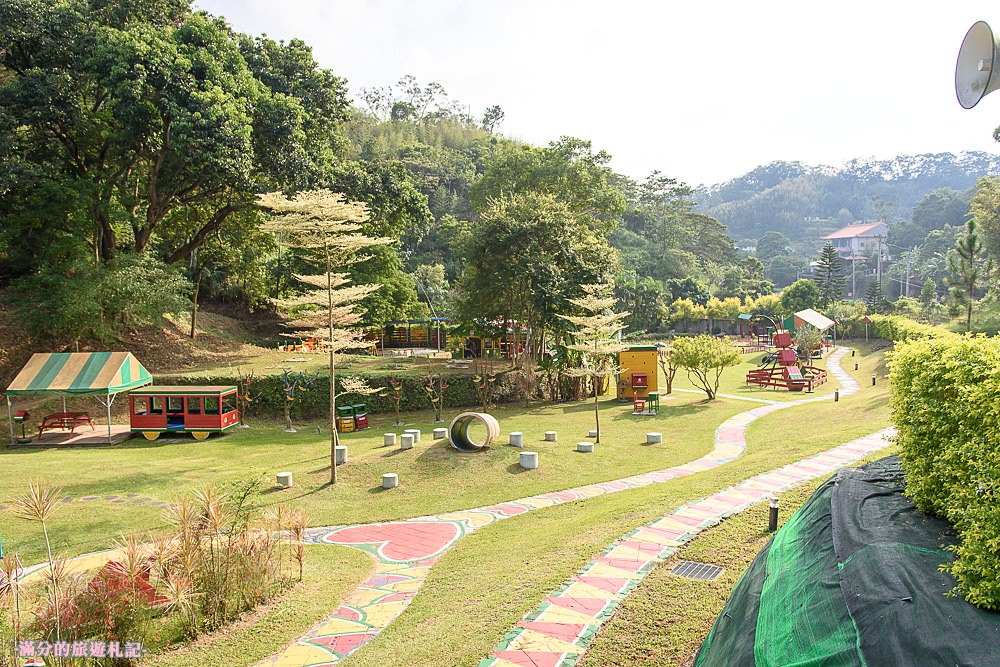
pixel 434 478
pixel 482 587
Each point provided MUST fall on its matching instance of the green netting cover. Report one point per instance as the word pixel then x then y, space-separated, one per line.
pixel 852 579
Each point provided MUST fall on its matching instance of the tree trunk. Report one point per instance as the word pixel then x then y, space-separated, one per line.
pixel 194 309
pixel 105 235
pixel 334 436
pixel 199 237
pixel 968 312
pixel 597 409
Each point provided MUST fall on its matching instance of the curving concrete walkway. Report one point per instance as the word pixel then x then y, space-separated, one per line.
pixel 406 550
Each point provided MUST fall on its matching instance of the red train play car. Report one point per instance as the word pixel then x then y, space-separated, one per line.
pixel 183 409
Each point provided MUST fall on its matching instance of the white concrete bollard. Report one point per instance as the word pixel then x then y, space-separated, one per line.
pixel 440 433
pixel 550 436
pixel 415 432
pixel 593 433
pixel 390 480
pixel 388 439
pixel 585 447
pixel 654 438
pixel 529 460
pixel 406 441
pixel 517 438
pixel 341 455
pixel 285 480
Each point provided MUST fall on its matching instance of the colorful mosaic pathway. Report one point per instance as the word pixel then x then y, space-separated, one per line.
pixel 557 633
pixel 406 550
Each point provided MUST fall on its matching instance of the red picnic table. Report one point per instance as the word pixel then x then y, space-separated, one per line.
pixel 65 420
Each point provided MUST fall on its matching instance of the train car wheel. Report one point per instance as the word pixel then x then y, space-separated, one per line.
pixel 200 435
pixel 151 435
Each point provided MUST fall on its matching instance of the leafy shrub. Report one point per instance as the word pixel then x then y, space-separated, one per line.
pixel 704 358
pixel 946 405
pixel 889 327
pixel 81 299
pixel 270 397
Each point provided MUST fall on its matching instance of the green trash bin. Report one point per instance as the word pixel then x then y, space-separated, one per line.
pixel 345 418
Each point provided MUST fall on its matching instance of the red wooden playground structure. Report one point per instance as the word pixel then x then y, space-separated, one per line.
pixel 784 371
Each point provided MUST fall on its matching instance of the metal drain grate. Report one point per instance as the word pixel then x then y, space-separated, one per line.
pixel 693 570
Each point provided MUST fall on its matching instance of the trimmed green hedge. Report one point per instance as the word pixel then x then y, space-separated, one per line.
pixel 889 327
pixel 268 393
pixel 946 405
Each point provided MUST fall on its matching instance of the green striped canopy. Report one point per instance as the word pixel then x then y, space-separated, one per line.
pixel 79 374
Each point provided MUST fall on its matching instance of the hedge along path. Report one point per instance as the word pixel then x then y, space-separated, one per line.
pixel 406 550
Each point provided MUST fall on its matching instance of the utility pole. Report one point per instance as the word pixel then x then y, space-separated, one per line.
pixel 878 269
pixel 854 282
pixel 908 258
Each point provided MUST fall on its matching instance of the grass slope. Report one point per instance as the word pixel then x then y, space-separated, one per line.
pixel 434 478
pixel 483 587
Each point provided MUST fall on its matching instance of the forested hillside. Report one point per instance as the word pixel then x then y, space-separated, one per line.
pixel 139 138
pixel 804 202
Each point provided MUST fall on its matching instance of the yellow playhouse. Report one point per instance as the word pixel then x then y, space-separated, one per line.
pixel 639 372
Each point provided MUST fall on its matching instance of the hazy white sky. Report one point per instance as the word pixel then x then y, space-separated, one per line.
pixel 702 91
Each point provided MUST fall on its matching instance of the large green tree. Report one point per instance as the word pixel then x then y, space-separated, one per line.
pixel 772 244
pixel 830 275
pixel 970 268
pixel 567 170
pixel 528 257
pixel 130 111
pixel 800 295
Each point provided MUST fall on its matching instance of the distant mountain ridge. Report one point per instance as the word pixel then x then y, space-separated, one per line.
pixel 804 201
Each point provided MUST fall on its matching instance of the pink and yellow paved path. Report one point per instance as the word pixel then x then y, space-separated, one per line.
pixel 557 633
pixel 406 550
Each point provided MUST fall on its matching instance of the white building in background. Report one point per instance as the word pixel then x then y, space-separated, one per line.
pixel 853 241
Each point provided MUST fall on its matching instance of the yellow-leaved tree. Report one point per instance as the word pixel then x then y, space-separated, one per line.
pixel 324 223
pixel 596 336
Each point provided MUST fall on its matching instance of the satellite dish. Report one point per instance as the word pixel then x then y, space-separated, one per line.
pixel 977 59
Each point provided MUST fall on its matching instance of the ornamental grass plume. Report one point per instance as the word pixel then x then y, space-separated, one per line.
pixel 181 598
pixel 299 524
pixel 10 594
pixel 38 504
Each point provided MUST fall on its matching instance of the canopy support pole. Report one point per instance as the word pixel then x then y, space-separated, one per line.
pixel 64 403
pixel 107 405
pixel 10 420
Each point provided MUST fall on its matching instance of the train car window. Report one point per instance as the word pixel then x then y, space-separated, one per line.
pixel 175 404
pixel 157 405
pixel 228 403
pixel 194 405
pixel 211 405
pixel 139 405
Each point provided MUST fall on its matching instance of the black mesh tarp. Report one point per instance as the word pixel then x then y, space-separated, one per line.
pixel 852 579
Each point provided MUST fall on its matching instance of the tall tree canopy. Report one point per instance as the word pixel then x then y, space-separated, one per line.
pixel 566 169
pixel 529 256
pixel 128 112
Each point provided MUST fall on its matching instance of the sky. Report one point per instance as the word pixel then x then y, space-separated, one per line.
pixel 701 91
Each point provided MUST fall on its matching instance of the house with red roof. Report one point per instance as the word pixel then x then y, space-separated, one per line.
pixel 851 241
